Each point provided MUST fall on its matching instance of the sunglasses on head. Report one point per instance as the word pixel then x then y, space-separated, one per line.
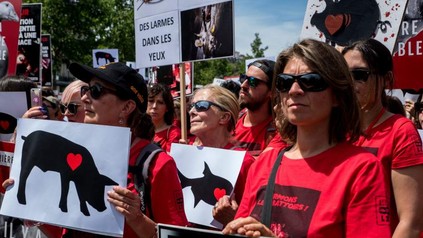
pixel 252 81
pixel 360 74
pixel 310 82
pixel 96 90
pixel 203 105
pixel 71 107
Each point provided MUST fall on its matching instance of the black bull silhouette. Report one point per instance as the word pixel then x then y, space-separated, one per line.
pixel 51 152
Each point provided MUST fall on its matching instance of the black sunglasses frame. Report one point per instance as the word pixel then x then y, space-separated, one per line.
pixel 361 75
pixel 96 90
pixel 204 105
pixel 71 107
pixel 309 82
pixel 252 81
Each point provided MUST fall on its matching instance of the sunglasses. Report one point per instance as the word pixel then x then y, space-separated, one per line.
pixel 310 82
pixel 360 74
pixel 96 90
pixel 202 106
pixel 252 81
pixel 71 107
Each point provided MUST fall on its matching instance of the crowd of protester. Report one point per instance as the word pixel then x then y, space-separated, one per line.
pixel 329 153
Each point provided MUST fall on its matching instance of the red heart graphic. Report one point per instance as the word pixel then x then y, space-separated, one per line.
pixel 334 23
pixel 74 160
pixel 4 125
pixel 218 193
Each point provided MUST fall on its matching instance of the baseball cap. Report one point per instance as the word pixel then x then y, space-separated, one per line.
pixel 266 66
pixel 126 80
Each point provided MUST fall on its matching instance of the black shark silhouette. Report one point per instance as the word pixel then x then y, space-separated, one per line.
pixel 208 188
pixel 343 22
pixel 51 152
pixel 7 123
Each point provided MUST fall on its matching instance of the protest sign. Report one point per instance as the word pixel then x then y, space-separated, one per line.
pixel 10 13
pixel 197 166
pixel 29 44
pixel 49 155
pixel 104 56
pixel 15 107
pixel 46 61
pixel 408 52
pixel 343 22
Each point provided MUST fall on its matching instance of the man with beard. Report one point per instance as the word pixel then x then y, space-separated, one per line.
pixel 255 126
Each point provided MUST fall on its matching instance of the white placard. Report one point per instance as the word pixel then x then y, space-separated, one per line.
pixel 153 7
pixel 205 174
pixel 12 105
pixel 157 40
pixel 343 21
pixel 95 155
pixel 105 56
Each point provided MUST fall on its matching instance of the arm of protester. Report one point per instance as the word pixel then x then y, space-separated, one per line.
pixel 249 227
pixel 408 191
pixel 128 204
pixel 225 209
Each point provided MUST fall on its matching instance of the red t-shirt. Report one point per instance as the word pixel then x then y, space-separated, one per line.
pixel 255 138
pixel 397 144
pixel 168 136
pixel 341 192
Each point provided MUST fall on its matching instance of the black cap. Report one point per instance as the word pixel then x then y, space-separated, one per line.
pixel 126 80
pixel 266 66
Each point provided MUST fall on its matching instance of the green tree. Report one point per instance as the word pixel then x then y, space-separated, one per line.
pixel 256 47
pixel 78 28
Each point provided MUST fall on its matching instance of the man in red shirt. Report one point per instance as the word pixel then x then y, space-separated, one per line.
pixel 255 126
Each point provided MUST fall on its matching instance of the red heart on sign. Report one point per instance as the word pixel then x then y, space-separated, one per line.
pixel 74 160
pixel 334 23
pixel 218 193
pixel 4 125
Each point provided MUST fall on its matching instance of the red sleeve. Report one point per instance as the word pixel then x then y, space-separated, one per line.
pixel 174 136
pixel 166 192
pixel 407 146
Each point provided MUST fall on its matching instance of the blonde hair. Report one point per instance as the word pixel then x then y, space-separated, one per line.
pixel 226 99
pixel 73 87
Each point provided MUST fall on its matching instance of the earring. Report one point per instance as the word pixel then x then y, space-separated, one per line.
pixel 121 121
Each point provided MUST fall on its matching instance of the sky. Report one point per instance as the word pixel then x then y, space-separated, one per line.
pixel 278 23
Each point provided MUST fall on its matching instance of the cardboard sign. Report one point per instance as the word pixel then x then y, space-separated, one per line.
pixel 57 162
pixel 197 166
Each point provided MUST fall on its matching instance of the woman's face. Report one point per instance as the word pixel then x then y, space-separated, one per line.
pixel 156 108
pixel 76 100
pixel 362 88
pixel 106 110
pixel 304 108
pixel 206 121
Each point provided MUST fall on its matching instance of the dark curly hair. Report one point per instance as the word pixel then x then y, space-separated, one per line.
pixel 156 89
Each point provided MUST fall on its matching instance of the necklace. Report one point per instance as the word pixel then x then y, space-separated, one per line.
pixel 370 127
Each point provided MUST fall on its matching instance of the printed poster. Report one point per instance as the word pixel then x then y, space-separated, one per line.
pixel 408 52
pixel 104 56
pixel 56 161
pixel 15 107
pixel 46 61
pixel 344 22
pixel 29 46
pixel 10 14
pixel 197 166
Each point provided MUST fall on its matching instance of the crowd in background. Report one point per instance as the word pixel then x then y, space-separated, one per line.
pixel 329 153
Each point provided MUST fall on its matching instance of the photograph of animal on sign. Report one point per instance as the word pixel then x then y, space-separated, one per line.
pixel 105 56
pixel 207 32
pixel 343 22
pixel 57 162
pixel 206 175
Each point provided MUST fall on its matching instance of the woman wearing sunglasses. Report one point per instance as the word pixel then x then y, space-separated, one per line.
pixel 116 95
pixel 321 185
pixel 392 138
pixel 71 105
pixel 162 111
pixel 213 114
